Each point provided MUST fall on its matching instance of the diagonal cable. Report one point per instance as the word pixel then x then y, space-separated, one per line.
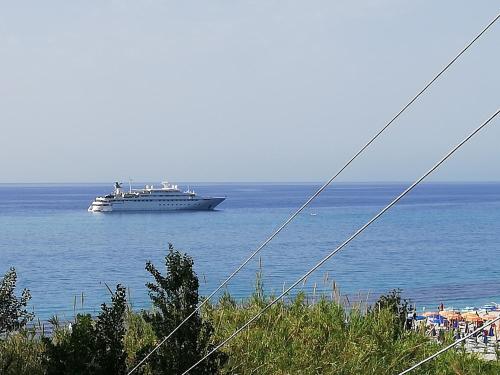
pixel 346 242
pixel 318 192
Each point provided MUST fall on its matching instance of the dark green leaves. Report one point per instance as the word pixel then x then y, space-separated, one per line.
pixel 174 297
pixel 13 313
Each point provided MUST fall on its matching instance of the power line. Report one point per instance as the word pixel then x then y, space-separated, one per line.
pixel 448 347
pixel 352 237
pixel 318 192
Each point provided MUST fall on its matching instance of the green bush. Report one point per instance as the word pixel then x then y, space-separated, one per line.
pixel 13 312
pixel 174 297
pixel 139 338
pixel 294 337
pixel 91 346
pixel 22 354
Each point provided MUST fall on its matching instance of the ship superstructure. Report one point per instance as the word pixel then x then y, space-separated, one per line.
pixel 167 198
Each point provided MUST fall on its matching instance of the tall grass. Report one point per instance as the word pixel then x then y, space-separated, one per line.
pixel 304 334
pixel 22 354
pixel 296 337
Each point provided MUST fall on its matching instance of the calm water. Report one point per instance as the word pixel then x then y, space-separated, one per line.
pixel 441 243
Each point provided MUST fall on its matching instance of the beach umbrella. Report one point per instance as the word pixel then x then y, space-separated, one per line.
pixel 489 317
pixel 438 319
pixel 495 313
pixel 473 318
pixel 420 317
pixel 469 314
pixel 454 316
pixel 449 314
pixel 430 313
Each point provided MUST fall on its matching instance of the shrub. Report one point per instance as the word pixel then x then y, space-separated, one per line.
pixel 139 338
pixel 110 329
pixel 71 350
pixel 22 354
pixel 13 313
pixel 91 347
pixel 393 302
pixel 294 337
pixel 174 297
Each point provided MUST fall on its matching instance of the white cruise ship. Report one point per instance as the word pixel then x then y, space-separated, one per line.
pixel 167 198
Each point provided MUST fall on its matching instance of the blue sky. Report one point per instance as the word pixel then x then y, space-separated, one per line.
pixel 95 91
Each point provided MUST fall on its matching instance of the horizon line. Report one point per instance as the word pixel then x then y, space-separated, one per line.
pixel 235 182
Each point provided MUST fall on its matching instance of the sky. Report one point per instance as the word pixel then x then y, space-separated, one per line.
pixel 98 91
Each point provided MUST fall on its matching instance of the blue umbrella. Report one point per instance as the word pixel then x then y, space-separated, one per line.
pixel 438 319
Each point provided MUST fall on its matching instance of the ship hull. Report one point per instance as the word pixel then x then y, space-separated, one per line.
pixel 201 204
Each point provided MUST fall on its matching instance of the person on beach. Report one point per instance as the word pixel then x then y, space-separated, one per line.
pixel 441 335
pixel 414 320
pixel 409 323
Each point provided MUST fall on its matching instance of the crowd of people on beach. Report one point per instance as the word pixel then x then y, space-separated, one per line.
pixel 460 322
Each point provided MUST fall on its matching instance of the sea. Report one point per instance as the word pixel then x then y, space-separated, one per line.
pixel 439 244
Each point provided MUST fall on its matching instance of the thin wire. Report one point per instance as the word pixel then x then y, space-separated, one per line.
pixel 359 231
pixel 448 347
pixel 318 192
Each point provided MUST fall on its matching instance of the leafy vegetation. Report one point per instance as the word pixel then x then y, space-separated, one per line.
pixel 91 346
pixel 22 353
pixel 293 337
pixel 138 339
pixel 13 312
pixel 175 296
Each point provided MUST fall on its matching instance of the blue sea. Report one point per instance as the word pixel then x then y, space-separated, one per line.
pixel 441 243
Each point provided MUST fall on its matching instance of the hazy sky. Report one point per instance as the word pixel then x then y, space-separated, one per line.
pixel 243 90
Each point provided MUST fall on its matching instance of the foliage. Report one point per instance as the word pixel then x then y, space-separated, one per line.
pixel 138 339
pixel 110 329
pixel 13 313
pixel 175 296
pixel 22 353
pixel 91 347
pixel 294 337
pixel 393 302
pixel 72 350
pixel 399 308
